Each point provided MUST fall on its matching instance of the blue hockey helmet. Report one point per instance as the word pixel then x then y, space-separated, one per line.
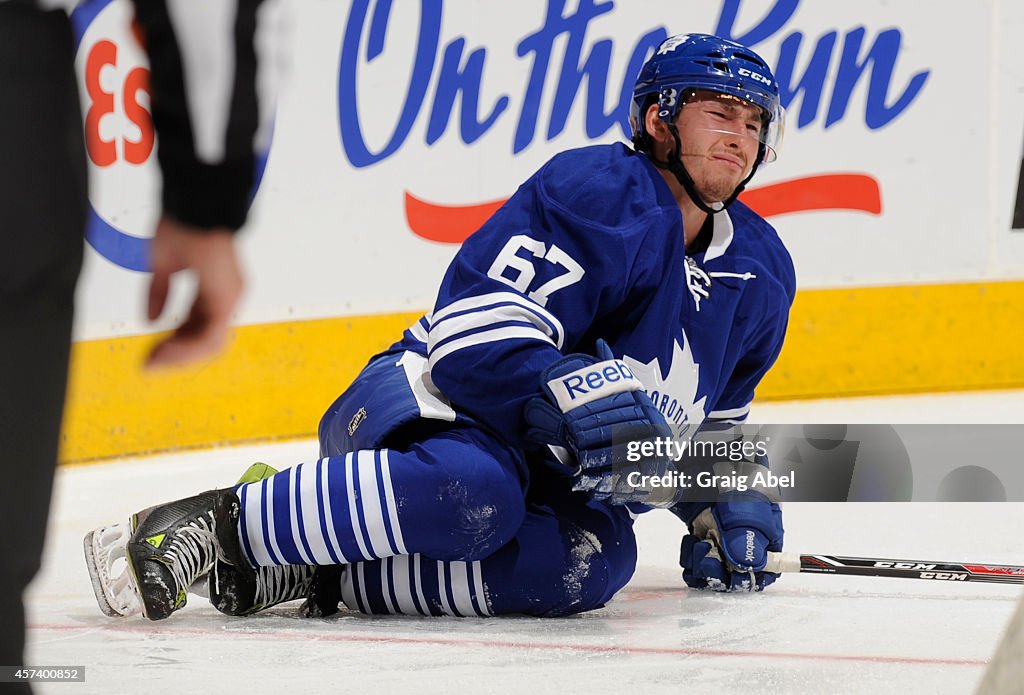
pixel 700 61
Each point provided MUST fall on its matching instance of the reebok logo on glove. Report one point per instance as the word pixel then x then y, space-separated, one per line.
pixel 750 547
pixel 591 383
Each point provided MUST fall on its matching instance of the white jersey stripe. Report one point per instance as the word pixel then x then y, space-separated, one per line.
pixel 480 319
pixel 418 331
pixel 482 301
pixel 730 413
pixel 492 336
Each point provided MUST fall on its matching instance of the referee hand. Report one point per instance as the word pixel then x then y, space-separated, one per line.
pixel 211 255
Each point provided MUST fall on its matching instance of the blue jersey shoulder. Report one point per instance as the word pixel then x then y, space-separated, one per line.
pixel 606 186
pixel 757 240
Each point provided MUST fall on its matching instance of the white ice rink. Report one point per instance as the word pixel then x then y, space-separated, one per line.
pixel 806 634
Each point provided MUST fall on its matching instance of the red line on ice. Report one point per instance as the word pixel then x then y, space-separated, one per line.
pixel 142 628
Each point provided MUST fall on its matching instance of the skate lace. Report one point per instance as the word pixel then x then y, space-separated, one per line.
pixel 281 583
pixel 192 551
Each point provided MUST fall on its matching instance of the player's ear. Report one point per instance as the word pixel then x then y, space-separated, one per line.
pixel 656 127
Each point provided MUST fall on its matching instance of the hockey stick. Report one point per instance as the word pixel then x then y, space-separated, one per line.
pixel 905 569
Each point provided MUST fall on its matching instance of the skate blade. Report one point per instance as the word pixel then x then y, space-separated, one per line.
pixel 112 582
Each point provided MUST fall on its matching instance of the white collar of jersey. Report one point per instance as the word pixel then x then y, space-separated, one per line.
pixel 721 236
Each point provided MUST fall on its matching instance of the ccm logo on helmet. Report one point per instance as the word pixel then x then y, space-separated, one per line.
pixel 757 77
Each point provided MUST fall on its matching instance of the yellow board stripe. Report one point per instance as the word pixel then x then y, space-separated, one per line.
pixel 276 380
pixel 883 340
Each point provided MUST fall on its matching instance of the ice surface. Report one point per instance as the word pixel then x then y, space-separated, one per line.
pixel 806 634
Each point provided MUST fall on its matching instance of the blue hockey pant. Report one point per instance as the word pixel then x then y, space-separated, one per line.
pixel 447 525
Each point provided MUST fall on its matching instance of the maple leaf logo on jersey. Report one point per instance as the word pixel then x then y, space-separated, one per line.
pixel 675 395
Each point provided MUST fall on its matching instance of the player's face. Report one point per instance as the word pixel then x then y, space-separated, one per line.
pixel 720 136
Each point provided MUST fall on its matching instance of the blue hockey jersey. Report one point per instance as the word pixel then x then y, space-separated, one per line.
pixel 592 246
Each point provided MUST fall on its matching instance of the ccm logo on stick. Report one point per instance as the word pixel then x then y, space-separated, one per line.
pixel 905 565
pixel 952 576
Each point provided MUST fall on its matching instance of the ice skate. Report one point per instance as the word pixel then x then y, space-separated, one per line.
pixel 235 591
pixel 232 590
pixel 173 545
pixel 233 587
pixel 324 595
pixel 239 589
pixel 112 581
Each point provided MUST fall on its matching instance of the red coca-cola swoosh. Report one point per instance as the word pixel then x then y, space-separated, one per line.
pixel 451 224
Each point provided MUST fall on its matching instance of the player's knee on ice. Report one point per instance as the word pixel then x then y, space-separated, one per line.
pixel 463 496
pixel 564 560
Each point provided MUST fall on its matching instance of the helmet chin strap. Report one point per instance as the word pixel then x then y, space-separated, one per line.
pixel 674 164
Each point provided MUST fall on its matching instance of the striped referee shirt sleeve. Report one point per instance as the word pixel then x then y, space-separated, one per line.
pixel 210 102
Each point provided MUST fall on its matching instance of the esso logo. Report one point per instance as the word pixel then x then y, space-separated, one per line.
pixel 124 175
pixel 113 74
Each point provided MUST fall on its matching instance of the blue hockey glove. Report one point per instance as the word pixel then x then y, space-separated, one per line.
pixel 728 545
pixel 584 400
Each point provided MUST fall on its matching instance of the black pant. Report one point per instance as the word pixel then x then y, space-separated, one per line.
pixel 43 203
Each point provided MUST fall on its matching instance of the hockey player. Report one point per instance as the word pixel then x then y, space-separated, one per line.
pixel 617 287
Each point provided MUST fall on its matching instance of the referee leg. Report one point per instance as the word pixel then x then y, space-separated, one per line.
pixel 43 201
